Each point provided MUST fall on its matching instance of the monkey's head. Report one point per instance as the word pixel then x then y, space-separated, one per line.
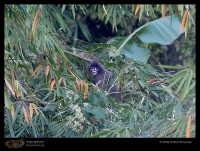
pixel 95 67
pixel 94 70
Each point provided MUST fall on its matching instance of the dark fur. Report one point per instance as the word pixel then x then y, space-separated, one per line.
pixel 102 77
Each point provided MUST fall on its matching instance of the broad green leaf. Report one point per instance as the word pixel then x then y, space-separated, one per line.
pixel 98 113
pixel 131 49
pixel 158 31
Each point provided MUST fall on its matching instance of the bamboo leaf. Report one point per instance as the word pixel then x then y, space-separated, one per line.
pixel 182 81
pixel 25 114
pixel 137 9
pixel 10 124
pixel 47 69
pixel 34 23
pixel 52 84
pixel 133 79
pixel 12 111
pixel 187 135
pixel 186 86
pixel 183 20
pixel 31 110
pixel 109 13
pixel 36 70
pixel 141 11
pixel 63 7
pixel 73 10
pixel 16 113
pixel 58 60
pixel 164 11
pixel 81 85
pixel 59 81
pixel 86 91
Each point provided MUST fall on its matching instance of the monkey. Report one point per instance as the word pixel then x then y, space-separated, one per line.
pixel 101 78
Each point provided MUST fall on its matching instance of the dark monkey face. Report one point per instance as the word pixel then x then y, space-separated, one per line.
pixel 94 70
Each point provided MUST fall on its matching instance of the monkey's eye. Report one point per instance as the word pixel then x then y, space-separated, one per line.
pixel 94 68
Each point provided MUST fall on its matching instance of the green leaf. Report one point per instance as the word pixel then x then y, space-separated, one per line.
pixel 63 7
pixel 186 86
pixel 73 10
pixel 178 110
pixel 109 13
pixel 10 123
pixel 160 31
pixel 150 118
pixel 84 30
pixel 98 113
pixel 182 81
pixel 8 102
pixel 172 67
pixel 157 31
pixel 16 113
pixel 141 11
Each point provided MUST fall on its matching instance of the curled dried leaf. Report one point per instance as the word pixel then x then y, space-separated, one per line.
pixel 137 9
pixel 25 114
pixel 183 20
pixel 36 70
pixel 47 69
pixel 188 127
pixel 52 84
pixel 59 81
pixel 31 110
pixel 86 91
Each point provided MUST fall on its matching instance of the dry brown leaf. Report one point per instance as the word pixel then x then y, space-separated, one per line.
pixel 58 60
pixel 77 84
pixel 137 9
pixel 47 69
pixel 38 67
pixel 86 91
pixel 81 85
pixel 59 81
pixel 31 110
pixel 52 84
pixel 12 111
pixel 183 20
pixel 9 87
pixel 25 114
pixel 164 12
pixel 188 127
pixel 34 24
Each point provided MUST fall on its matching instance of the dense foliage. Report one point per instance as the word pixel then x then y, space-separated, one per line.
pixel 48 92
